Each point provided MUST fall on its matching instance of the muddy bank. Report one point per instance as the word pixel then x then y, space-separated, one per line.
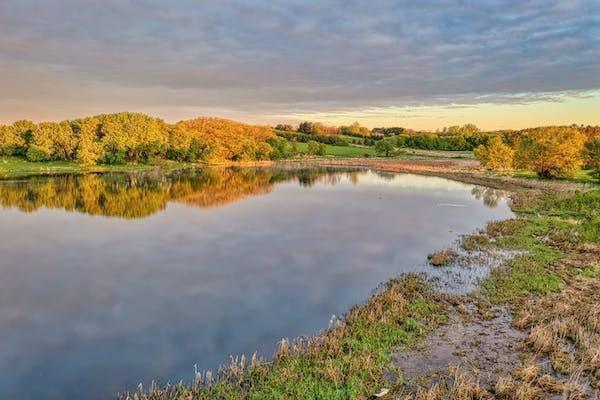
pixel 467 171
pixel 478 337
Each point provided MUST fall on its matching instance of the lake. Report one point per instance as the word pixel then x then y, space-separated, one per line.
pixel 116 279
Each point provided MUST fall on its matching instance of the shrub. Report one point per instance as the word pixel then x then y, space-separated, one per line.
pixel 114 156
pixel 385 147
pixel 592 156
pixel 281 148
pixel 315 148
pixel 552 152
pixel 495 155
pixel 35 153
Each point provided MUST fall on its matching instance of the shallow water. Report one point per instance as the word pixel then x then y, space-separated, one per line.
pixel 112 280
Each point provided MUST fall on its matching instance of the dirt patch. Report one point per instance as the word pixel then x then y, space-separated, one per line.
pixel 477 337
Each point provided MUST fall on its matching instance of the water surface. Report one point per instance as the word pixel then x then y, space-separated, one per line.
pixel 112 280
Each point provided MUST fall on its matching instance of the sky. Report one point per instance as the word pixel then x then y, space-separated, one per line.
pixel 417 64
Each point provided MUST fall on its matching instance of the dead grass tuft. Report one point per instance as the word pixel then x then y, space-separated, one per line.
pixel 565 326
pixel 442 258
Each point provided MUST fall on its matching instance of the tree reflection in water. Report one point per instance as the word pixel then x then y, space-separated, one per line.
pixel 138 195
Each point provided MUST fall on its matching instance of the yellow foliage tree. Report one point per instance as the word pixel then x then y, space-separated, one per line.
pixel 552 152
pixel 15 138
pixel 132 136
pixel 51 141
pixel 496 155
pixel 10 142
pixel 89 149
pixel 229 140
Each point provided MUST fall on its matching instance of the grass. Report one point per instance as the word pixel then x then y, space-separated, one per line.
pixel 342 151
pixel 419 153
pixel 404 153
pixel 552 289
pixel 345 362
pixel 15 167
pixel 581 176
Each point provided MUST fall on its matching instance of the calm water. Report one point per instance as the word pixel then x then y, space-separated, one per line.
pixel 108 281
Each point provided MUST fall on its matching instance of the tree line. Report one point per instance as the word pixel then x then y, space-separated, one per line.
pixel 453 138
pixel 135 137
pixel 551 152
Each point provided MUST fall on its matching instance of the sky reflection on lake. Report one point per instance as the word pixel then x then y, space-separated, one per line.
pixel 112 280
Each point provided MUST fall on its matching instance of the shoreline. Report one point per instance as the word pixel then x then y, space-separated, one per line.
pixel 462 170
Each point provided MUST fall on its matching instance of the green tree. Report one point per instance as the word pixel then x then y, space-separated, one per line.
pixel 592 156
pixel 385 147
pixel 305 127
pixel 285 127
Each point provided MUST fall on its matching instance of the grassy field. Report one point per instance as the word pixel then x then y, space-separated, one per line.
pixel 417 153
pixel 342 151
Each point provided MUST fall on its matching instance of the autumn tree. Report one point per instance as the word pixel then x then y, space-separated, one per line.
pixel 226 140
pixel 355 129
pixel 15 138
pixel 552 152
pixel 10 142
pixel 132 137
pixel 51 141
pixel 496 155
pixel 87 133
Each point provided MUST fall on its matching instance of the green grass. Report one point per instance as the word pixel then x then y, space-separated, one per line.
pixel 581 176
pixel 436 154
pixel 554 225
pixel 14 167
pixel 342 151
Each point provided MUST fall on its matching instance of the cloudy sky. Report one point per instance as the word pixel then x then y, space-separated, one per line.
pixel 421 64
